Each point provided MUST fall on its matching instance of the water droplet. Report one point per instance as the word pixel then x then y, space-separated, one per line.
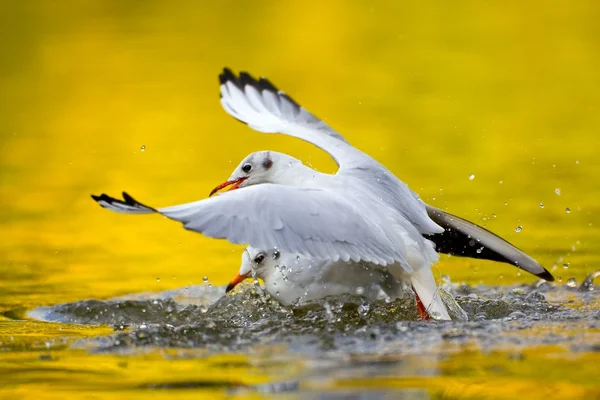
pixel 576 161
pixel 479 250
pixel 471 177
pixel 518 228
pixel 559 279
pixel 277 293
pixel 566 265
pixel 297 258
pixel 360 290
pixel 572 283
pixel 557 191
pixel 568 210
pixel 205 279
pixel 501 182
pixel 541 205
pixel 143 148
pixel 364 309
pixel 157 279
pixel 435 315
pixel 516 315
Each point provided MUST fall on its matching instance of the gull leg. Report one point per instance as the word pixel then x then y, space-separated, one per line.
pixel 423 316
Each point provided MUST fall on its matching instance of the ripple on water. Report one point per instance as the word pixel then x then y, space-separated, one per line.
pixel 201 317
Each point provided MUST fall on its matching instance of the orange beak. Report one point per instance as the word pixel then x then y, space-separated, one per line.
pixel 236 281
pixel 234 185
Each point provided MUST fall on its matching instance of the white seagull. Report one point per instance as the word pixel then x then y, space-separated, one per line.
pixel 293 279
pixel 360 213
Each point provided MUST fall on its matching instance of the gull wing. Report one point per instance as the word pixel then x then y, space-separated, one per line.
pixel 310 222
pixel 263 107
pixel 466 239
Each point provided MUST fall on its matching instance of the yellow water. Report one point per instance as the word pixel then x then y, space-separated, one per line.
pixel 506 91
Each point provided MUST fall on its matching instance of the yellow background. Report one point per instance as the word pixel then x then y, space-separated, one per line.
pixel 506 90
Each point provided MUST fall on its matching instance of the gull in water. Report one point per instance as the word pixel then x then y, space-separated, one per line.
pixel 362 213
pixel 293 279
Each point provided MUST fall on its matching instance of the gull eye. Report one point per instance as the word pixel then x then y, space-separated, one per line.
pixel 247 168
pixel 260 257
pixel 276 254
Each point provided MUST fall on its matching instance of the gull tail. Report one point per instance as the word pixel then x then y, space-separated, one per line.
pixel 126 206
pixel 426 289
pixel 466 239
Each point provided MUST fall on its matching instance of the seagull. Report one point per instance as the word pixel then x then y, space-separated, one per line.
pixel 263 107
pixel 361 213
pixel 293 279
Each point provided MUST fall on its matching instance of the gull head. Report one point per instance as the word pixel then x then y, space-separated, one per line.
pixel 259 261
pixel 260 167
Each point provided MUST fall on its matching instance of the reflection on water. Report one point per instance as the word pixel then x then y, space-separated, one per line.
pixel 344 337
pixel 487 110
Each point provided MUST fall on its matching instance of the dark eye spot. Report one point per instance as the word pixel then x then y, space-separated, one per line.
pixel 247 168
pixel 259 258
pixel 268 163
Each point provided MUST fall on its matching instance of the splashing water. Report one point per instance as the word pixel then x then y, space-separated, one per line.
pixel 201 317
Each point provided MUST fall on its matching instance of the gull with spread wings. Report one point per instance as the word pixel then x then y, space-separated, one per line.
pixel 361 213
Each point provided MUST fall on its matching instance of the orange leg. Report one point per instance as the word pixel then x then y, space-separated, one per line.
pixel 423 316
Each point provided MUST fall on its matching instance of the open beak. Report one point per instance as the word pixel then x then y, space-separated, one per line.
pixel 235 184
pixel 236 281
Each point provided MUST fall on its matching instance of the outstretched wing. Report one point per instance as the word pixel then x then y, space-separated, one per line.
pixel 263 107
pixel 313 223
pixel 466 239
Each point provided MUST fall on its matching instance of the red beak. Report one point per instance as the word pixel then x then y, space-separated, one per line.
pixel 236 281
pixel 234 185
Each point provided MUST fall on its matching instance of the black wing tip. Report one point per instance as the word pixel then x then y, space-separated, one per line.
pixel 127 200
pixel 226 75
pixel 103 197
pixel 265 84
pixel 246 79
pixel 546 275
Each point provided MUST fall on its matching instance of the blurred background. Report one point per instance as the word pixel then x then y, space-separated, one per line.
pixel 487 109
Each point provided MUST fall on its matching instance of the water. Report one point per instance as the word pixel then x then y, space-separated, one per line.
pixel 105 96
pixel 347 335
pixel 203 317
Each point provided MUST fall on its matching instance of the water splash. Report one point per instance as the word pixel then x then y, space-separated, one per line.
pixel 202 317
